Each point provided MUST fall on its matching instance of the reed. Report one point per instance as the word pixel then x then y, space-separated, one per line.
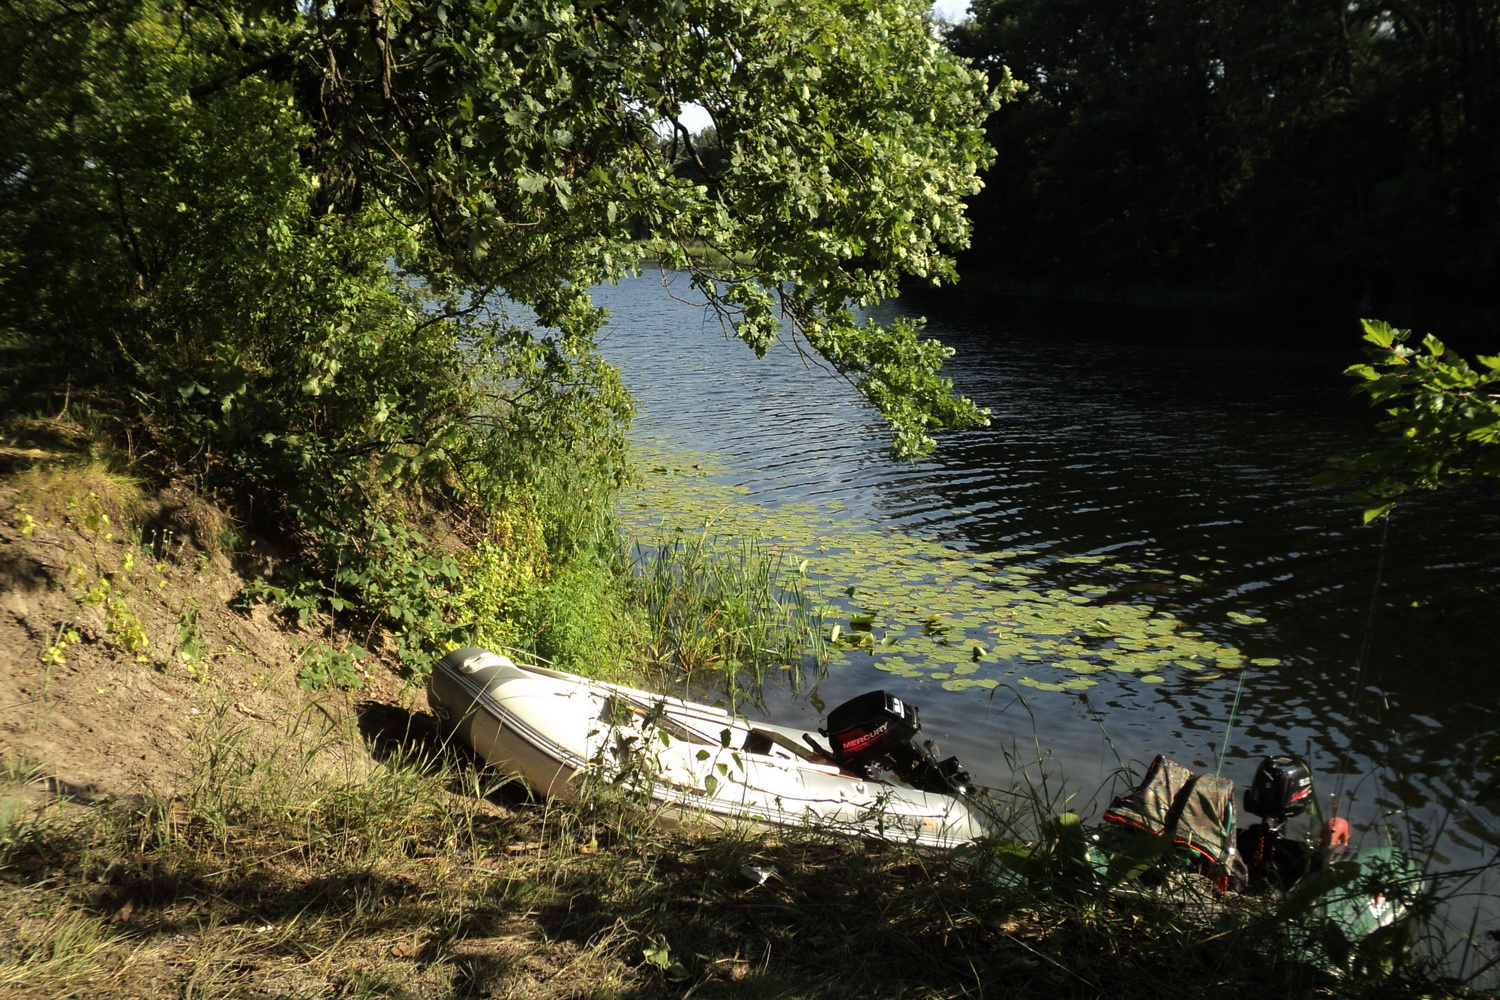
pixel 730 606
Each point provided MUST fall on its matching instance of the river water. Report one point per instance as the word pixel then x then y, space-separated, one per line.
pixel 1173 476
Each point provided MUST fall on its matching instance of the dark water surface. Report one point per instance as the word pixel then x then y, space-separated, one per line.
pixel 1201 449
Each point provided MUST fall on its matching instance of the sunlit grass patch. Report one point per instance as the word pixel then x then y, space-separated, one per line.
pixel 54 949
pixel 88 496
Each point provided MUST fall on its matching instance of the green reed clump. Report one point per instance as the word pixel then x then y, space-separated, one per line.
pixel 726 605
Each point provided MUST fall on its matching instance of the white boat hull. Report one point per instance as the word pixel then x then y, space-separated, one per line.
pixel 555 731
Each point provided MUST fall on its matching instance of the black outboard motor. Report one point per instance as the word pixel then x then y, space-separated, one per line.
pixel 874 732
pixel 1281 789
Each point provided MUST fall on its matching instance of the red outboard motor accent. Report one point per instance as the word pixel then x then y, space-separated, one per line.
pixel 1281 789
pixel 873 732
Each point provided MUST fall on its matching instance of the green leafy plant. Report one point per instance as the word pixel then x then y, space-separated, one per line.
pixel 192 649
pixel 56 652
pixel 1442 416
pixel 656 951
pixel 127 630
pixel 323 666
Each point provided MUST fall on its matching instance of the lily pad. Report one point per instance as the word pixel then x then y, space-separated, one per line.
pixel 965 683
pixel 956 616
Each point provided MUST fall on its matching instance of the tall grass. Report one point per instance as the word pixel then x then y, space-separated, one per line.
pixel 86 494
pixel 732 606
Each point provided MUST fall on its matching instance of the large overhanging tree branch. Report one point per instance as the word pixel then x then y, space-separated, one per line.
pixel 515 146
pixel 277 238
pixel 524 138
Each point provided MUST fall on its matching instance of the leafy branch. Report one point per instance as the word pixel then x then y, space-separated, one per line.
pixel 1442 416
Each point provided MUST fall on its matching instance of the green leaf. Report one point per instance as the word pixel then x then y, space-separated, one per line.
pixel 1381 333
pixel 657 952
pixel 1141 854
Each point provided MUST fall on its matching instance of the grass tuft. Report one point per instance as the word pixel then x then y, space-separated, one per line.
pixel 88 495
pixel 726 606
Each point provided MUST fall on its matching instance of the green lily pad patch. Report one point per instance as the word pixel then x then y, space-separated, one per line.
pixel 923 608
pixel 1032 682
pixel 965 683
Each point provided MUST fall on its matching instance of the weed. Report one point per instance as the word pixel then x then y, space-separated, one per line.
pixel 324 666
pixel 192 649
pixel 727 606
pixel 125 628
pixel 128 631
pixel 55 655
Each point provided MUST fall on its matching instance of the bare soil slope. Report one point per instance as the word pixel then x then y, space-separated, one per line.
pixel 87 699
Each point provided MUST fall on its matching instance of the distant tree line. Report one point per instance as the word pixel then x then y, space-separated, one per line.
pixel 1328 153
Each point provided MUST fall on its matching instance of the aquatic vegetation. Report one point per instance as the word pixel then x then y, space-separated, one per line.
pixel 706 603
pixel 920 608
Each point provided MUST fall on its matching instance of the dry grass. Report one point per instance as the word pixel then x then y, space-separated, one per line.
pixel 328 863
pixel 84 493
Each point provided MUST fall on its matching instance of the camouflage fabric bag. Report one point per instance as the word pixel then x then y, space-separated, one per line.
pixel 1194 810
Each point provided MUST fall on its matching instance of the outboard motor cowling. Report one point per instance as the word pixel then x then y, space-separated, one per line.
pixel 866 727
pixel 874 732
pixel 1281 789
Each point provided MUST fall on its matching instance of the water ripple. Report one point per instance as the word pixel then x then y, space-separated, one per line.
pixel 1196 460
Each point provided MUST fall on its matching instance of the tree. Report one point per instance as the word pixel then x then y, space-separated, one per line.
pixel 1300 153
pixel 515 140
pixel 281 239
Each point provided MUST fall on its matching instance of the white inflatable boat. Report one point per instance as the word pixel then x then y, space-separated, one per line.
pixel 555 731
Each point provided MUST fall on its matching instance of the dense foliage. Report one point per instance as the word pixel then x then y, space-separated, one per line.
pixel 278 237
pixel 1336 154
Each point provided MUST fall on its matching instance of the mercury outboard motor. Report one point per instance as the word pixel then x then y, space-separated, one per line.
pixel 1281 789
pixel 874 732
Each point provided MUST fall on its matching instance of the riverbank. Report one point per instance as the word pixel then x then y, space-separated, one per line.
pixel 179 818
